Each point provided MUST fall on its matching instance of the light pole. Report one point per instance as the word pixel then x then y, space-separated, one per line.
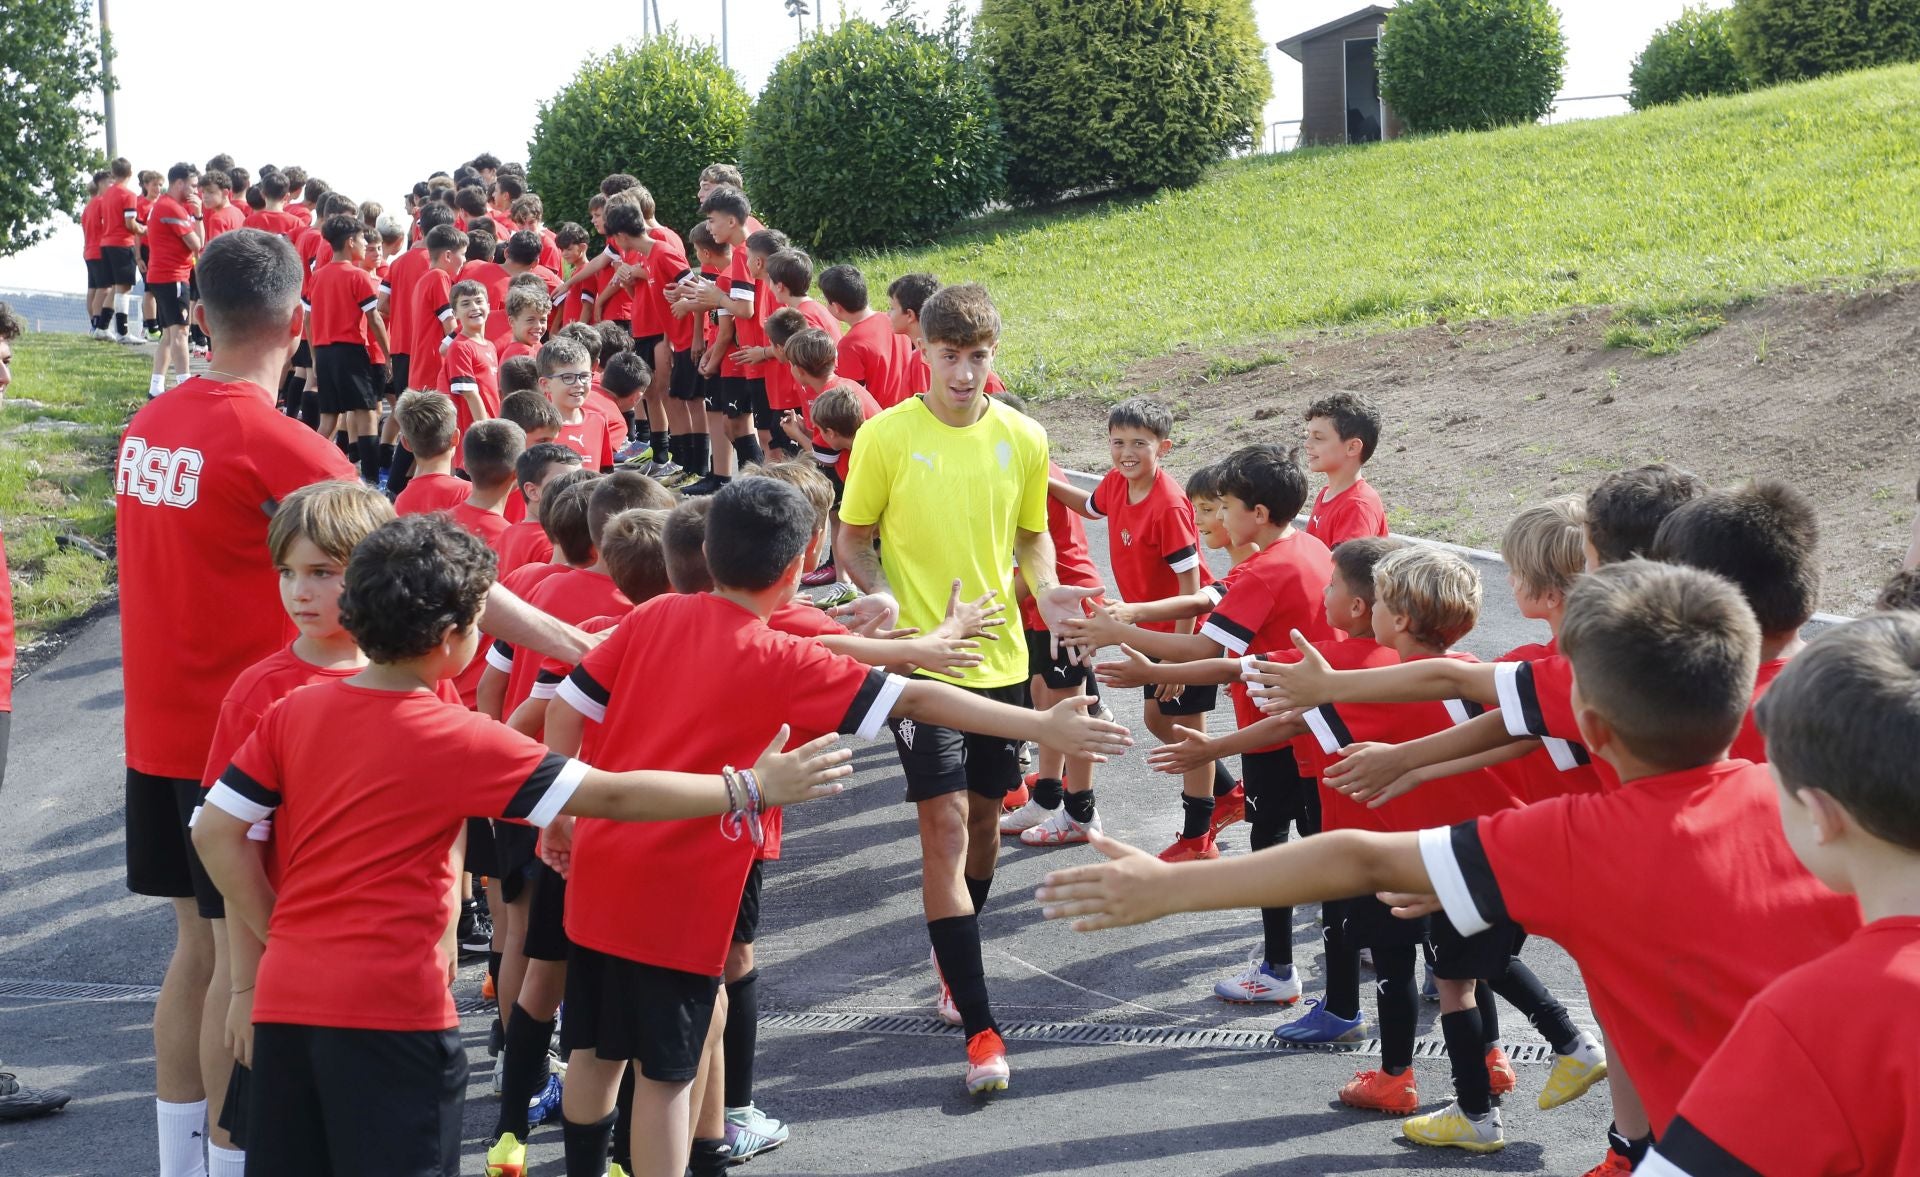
pixel 723 33
pixel 106 84
pixel 797 9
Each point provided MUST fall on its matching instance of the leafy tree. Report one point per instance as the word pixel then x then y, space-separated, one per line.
pixel 661 110
pixel 1787 40
pixel 1690 58
pixel 1471 65
pixel 1132 94
pixel 872 135
pixel 49 70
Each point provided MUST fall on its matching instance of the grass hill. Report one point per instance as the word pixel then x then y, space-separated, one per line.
pixel 1673 215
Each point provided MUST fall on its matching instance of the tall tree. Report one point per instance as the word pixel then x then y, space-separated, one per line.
pixel 49 71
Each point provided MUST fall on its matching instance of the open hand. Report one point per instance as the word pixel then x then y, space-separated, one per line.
pixel 1292 685
pixel 1072 729
pixel 1193 751
pixel 944 654
pixel 1061 606
pixel 1409 906
pixel 807 773
pixel 1372 774
pixel 238 1033
pixel 1126 889
pixel 1131 669
pixel 556 845
pixel 973 619
pixel 864 615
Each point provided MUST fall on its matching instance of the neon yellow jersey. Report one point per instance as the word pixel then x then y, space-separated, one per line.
pixel 949 503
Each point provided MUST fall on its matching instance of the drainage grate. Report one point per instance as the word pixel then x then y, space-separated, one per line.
pixel 1063 1033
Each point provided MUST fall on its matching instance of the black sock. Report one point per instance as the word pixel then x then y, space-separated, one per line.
pixel 956 945
pixel 493 968
pixel 710 1158
pixel 977 890
pixel 369 447
pixel 626 416
pixel 1397 1002
pixel 586 1146
pixel 1047 791
pixel 662 446
pixel 150 325
pixel 746 449
pixel 1276 923
pixel 1489 1013
pixel 120 322
pixel 741 1037
pixel 1634 1150
pixel 1343 973
pixel 1466 1050
pixel 1525 993
pixel 1196 816
pixel 386 455
pixel 523 1070
pixel 623 1121
pixel 700 451
pixel 1222 779
pixel 100 320
pixel 310 409
pixel 401 472
pixel 1080 806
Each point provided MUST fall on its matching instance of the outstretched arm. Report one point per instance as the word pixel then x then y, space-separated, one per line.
pixel 1288 686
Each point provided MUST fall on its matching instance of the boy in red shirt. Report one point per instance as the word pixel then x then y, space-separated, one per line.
pixel 526 542
pixel 471 375
pixel 492 448
pixel 810 359
pixel 566 375
pixel 1685 864
pixel 275 218
pixel 789 276
pixel 343 309
pixel 432 310
pixel 644 981
pixel 99 280
pixel 527 311
pixel 1342 432
pixel 870 353
pixel 429 428
pixel 310 540
pixel 361 1069
pixel 1841 730
pixel 1153 548
pixel 173 239
pixel 658 262
pixel 120 230
pixel 733 362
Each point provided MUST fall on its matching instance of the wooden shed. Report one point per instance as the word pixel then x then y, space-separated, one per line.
pixel 1340 89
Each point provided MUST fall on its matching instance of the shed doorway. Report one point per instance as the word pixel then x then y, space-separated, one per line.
pixel 1366 115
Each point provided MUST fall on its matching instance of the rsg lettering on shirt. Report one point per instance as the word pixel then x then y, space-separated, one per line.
pixel 158 476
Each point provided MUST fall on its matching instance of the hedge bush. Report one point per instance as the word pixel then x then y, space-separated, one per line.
pixel 1690 58
pixel 661 110
pixel 1133 94
pixel 1787 40
pixel 1471 65
pixel 871 135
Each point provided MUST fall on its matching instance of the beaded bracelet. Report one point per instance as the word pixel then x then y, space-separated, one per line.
pixel 731 781
pixel 755 803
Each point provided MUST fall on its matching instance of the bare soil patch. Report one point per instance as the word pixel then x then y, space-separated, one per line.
pixel 1819 388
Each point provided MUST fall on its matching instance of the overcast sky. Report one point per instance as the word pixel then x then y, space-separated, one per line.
pixel 372 122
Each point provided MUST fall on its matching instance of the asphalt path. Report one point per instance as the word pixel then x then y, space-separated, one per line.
pixel 1122 1060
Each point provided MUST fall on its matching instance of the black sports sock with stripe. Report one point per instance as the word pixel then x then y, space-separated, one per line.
pixel 977 891
pixel 1222 779
pixel 710 1158
pixel 956 945
pixel 747 452
pixel 1196 816
pixel 1080 806
pixel 586 1146
pixel 741 1038
pixel 1047 791
pixel 1397 1006
pixel 523 1070
pixel 1525 993
pixel 1466 1051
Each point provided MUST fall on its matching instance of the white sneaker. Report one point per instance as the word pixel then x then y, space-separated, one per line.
pixel 943 1005
pixel 1058 829
pixel 129 340
pixel 1029 816
pixel 1259 983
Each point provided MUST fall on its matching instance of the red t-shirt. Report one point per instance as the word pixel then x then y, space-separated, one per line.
pixel 363 830
pixel 591 437
pixel 866 354
pixel 524 543
pixel 338 301
pixel 90 230
pixel 490 526
pixel 427 493
pixel 7 642
pixel 314 253
pixel 668 893
pixel 1342 653
pixel 1536 699
pixel 198 473
pixel 492 275
pixel 500 654
pixel 251 696
pixel 783 391
pixel 1072 562
pixel 1677 896
pixel 301 212
pixel 1748 744
pixel 1354 513
pixel 574 596
pixel 167 230
pixel 826 455
pixel 1558 766
pixel 616 421
pixel 471 367
pixel 430 311
pixel 224 219
pixel 513 347
pixel 804 621
pixel 664 264
pixel 1149 543
pixel 277 221
pixel 1278 589
pixel 1853 1082
pixel 550 251
pixel 119 207
pixel 402 275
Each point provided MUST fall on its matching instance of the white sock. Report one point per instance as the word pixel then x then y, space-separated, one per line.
pixel 179 378
pixel 183 1138
pixel 156 384
pixel 1587 1049
pixel 226 1162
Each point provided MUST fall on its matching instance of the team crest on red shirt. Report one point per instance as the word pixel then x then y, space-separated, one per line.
pixel 1126 537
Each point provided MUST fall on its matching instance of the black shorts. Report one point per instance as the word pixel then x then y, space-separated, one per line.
pixel 144 258
pixel 1277 795
pixel 1195 700
pixel 302 356
pixel 160 858
pixel 683 378
pixel 747 924
pixel 832 471
pixel 646 345
pixel 98 277
pixel 1476 957
pixel 170 303
pixel 193 284
pixel 941 760
pixel 346 378
pixel 118 260
pixel 622 1009
pixel 233 1112
pixel 397 367
pixel 624 324
pixel 516 849
pixel 386 1102
pixel 1055 670
pixel 481 859
pixel 765 416
pixel 729 395
pixel 1365 922
pixel 546 915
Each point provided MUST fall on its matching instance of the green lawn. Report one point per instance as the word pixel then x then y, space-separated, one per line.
pixel 1672 215
pixel 56 476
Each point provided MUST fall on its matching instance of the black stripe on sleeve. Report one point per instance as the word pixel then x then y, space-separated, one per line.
pixel 1328 716
pixel 1230 634
pixel 535 786
pixel 249 788
pixel 1689 1152
pixel 1477 872
pixel 1529 700
pixel 1183 558
pixel 549 676
pixel 863 701
pixel 504 648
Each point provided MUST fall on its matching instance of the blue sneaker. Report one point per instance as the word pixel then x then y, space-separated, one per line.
pixel 546 1105
pixel 1321 1026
